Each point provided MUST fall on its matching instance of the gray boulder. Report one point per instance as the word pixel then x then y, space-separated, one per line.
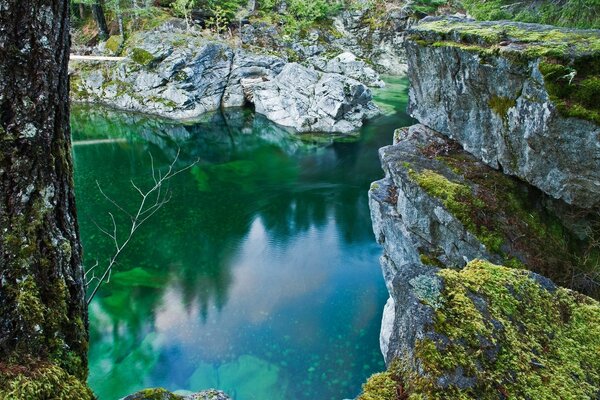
pixel 308 100
pixel 446 222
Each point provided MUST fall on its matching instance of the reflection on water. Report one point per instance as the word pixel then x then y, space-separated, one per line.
pixel 260 277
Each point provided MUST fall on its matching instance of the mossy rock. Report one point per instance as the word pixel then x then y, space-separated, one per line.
pixel 141 56
pixel 517 224
pixel 499 333
pixel 114 44
pixel 153 394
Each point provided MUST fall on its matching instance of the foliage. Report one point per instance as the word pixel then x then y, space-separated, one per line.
pixel 569 13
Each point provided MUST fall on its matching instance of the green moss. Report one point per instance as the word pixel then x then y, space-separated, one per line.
pixel 458 198
pixel 574 89
pixel 154 394
pixel 501 105
pixel 383 386
pixel 141 56
pixel 526 342
pixel 114 44
pixel 570 13
pixel 427 259
pixel 40 381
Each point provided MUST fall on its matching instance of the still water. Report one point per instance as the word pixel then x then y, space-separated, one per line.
pixel 260 277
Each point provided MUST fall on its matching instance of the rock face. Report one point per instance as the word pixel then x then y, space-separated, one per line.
pixel 382 44
pixel 347 64
pixel 457 325
pixel 520 97
pixel 181 76
pixel 308 100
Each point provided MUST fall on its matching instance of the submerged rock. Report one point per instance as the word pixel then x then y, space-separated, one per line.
pixel 308 100
pixel 520 97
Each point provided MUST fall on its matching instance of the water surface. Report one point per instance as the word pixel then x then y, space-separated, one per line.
pixel 260 277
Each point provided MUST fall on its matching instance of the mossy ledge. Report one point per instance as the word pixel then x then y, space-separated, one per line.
pixel 500 333
pixel 569 59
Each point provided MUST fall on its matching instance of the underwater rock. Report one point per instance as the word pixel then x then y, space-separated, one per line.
pixel 523 98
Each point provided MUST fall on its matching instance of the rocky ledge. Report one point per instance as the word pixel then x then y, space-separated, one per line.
pixel 457 324
pixel 520 97
pixel 181 76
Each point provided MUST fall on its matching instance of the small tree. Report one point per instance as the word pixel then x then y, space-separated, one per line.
pixel 183 8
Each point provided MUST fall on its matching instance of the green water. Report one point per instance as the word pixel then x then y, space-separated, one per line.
pixel 260 277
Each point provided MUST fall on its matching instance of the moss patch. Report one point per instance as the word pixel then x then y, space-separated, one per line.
pixel 458 198
pixel 571 13
pixel 40 381
pixel 154 394
pixel 141 56
pixel 114 44
pixel 511 336
pixel 384 385
pixel 501 105
pixel 509 217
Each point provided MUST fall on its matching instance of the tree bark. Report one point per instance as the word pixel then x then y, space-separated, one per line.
pixel 98 13
pixel 42 296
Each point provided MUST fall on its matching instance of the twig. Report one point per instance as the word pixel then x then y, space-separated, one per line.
pixel 145 210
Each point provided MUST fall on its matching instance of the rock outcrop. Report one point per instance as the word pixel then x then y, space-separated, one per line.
pixel 310 101
pixel 474 258
pixel 520 97
pixel 378 38
pixel 452 332
pixel 182 76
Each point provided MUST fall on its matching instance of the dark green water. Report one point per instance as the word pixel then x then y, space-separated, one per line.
pixel 260 277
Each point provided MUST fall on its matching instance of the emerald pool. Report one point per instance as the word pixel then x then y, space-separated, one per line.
pixel 260 277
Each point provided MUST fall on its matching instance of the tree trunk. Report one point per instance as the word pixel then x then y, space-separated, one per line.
pixel 42 297
pixel 98 13
pixel 81 11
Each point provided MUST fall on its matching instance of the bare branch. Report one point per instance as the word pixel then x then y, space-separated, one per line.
pixel 143 212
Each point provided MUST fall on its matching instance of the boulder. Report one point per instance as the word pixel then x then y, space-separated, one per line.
pixel 308 100
pixel 440 206
pixel 520 97
pixel 163 394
